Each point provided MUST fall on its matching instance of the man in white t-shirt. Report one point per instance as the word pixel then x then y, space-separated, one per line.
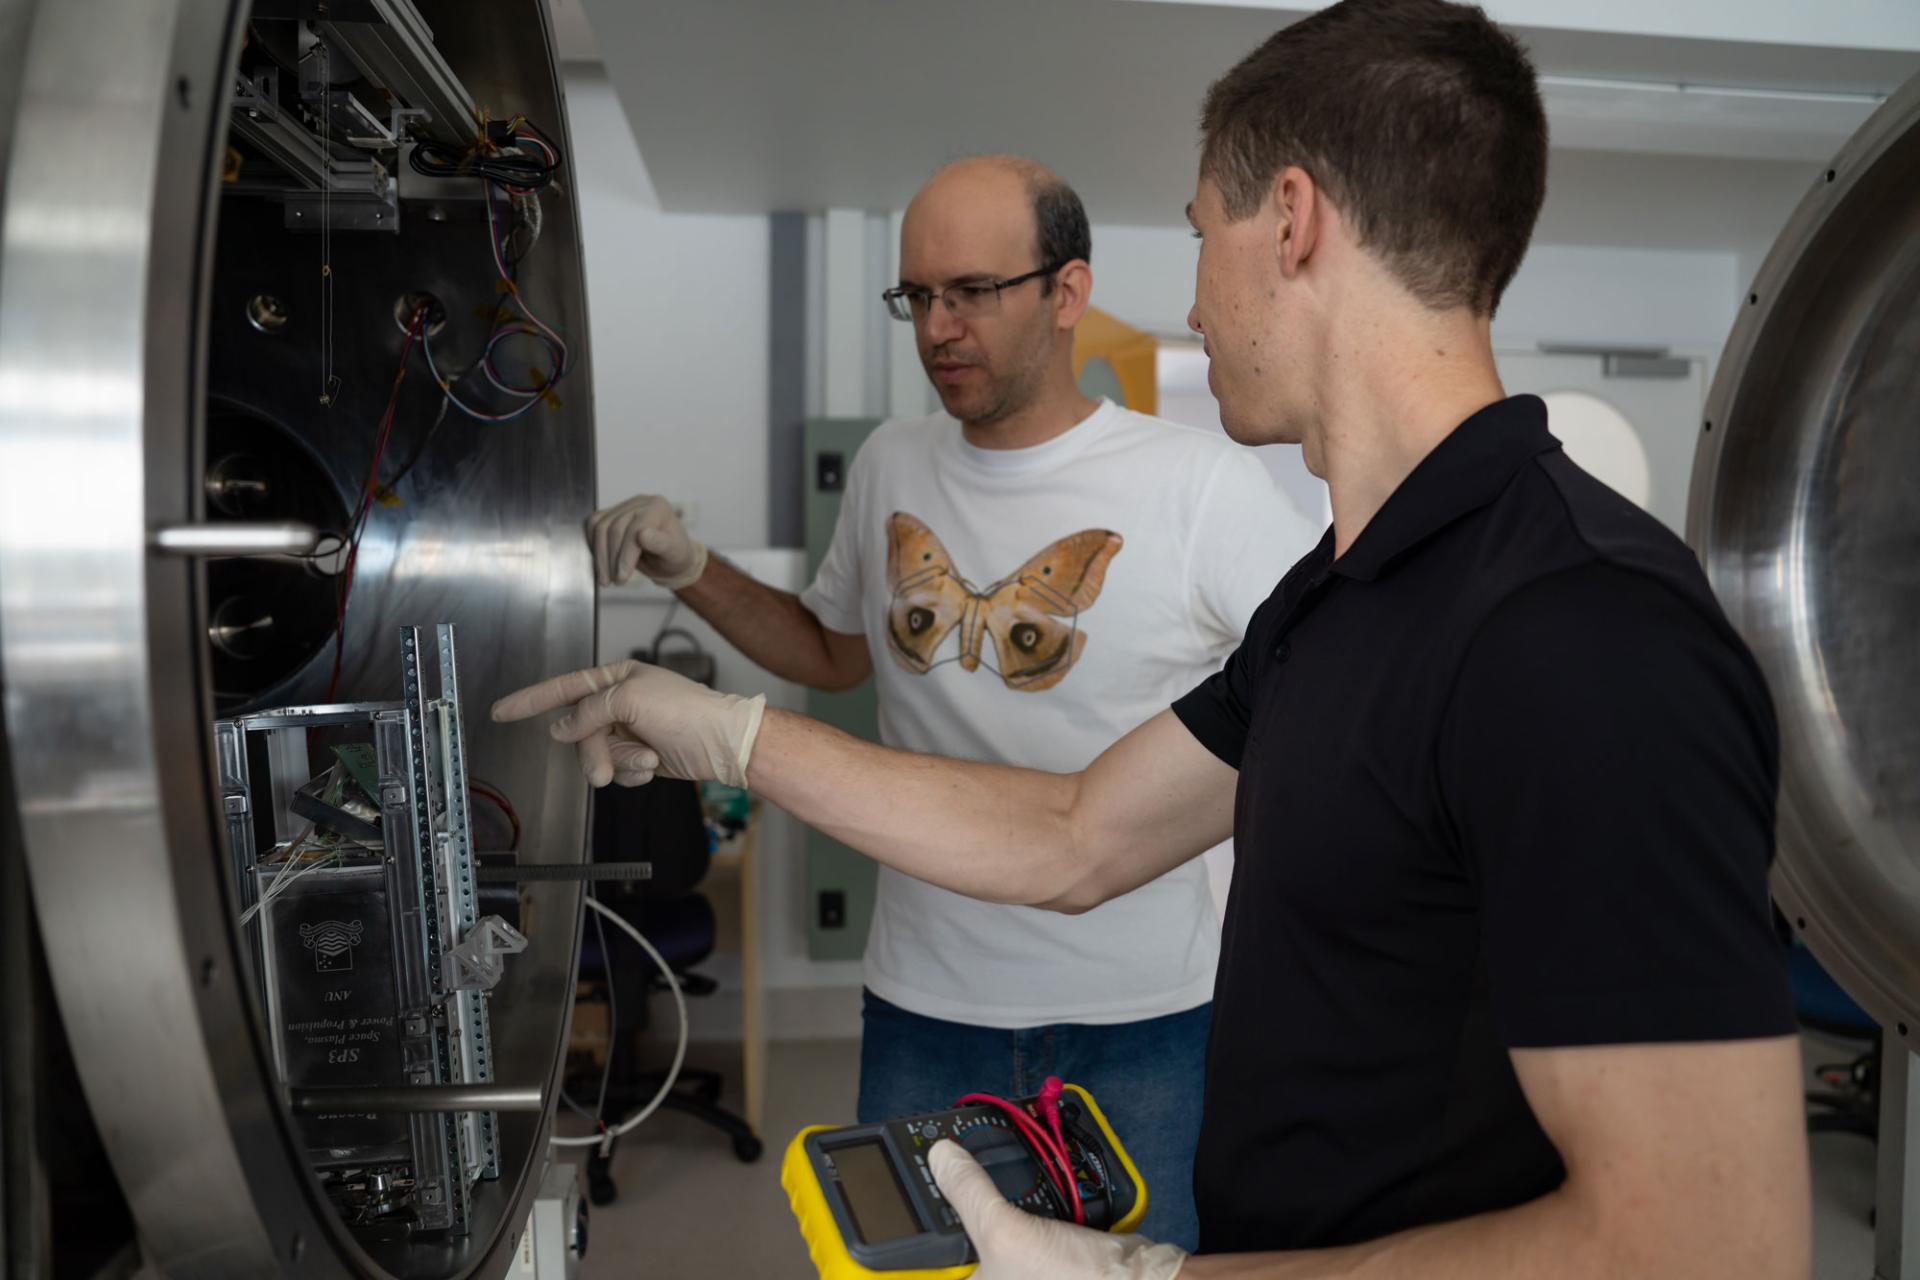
pixel 1027 576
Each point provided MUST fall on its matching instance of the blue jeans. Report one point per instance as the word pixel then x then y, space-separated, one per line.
pixel 1146 1076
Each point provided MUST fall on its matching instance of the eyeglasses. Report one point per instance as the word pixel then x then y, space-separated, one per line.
pixel 964 301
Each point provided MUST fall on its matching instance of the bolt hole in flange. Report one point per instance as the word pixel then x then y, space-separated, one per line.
pixel 412 301
pixel 267 313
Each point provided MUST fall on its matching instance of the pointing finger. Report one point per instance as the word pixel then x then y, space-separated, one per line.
pixel 559 691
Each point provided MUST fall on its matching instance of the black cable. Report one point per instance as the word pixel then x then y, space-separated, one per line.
pixel 613 1023
pixel 500 318
pixel 693 642
pixel 666 626
pixel 585 872
pixel 581 1111
pixel 515 169
pixel 494 168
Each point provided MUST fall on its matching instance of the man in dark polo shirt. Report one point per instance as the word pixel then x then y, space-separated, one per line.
pixel 1499 994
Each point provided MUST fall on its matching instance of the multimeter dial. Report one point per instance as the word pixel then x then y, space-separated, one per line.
pixel 866 1194
pixel 1004 1155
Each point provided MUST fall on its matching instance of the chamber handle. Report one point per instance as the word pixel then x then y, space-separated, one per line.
pixel 229 540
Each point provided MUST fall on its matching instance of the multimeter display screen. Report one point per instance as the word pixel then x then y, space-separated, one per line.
pixel 873 1193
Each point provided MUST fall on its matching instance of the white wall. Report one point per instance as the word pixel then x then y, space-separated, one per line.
pixel 678 314
pixel 677 307
pixel 1576 293
pixel 1866 24
pixel 1629 297
pixel 1563 294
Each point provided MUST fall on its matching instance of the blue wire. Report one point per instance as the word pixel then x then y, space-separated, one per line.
pixel 446 389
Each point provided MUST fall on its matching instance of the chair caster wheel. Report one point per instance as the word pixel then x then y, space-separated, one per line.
pixel 747 1149
pixel 600 1188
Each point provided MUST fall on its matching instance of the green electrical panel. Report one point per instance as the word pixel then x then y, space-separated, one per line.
pixel 839 881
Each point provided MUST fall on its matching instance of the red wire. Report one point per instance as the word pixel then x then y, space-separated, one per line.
pixel 1043 1144
pixel 361 513
pixel 490 793
pixel 1049 1102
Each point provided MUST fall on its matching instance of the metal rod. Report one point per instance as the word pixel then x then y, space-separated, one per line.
pixel 226 541
pixel 410 1099
pixel 521 872
pixel 1896 1215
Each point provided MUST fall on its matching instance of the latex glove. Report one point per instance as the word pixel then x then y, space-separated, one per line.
pixel 643 533
pixel 1015 1245
pixel 631 721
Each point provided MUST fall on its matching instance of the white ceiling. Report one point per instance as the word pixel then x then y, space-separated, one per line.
pixel 749 106
pixel 1849 24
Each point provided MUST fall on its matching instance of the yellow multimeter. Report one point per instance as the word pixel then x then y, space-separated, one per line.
pixel 868 1206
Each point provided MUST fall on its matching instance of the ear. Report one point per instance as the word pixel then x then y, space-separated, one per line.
pixel 1301 214
pixel 1072 290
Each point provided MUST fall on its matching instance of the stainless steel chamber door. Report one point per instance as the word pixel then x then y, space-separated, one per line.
pixel 127 269
pixel 1805 510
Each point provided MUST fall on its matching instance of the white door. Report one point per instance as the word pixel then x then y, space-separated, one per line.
pixel 1635 428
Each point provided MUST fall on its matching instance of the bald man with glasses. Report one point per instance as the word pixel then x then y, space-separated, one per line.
pixel 1027 576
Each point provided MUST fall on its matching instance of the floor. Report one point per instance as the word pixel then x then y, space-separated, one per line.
pixel 689 1209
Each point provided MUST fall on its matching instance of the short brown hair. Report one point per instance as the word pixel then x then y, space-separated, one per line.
pixel 1420 119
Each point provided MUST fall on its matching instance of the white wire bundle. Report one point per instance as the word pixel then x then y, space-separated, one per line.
pixel 288 874
pixel 605 1140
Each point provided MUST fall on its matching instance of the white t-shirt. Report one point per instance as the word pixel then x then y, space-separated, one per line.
pixel 1030 607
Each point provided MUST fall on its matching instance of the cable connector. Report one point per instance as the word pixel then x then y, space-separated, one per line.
pixel 1048 1100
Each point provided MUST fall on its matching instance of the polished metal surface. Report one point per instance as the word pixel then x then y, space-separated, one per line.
pixel 1805 510
pixel 397 52
pixel 215 541
pixel 1896 1183
pixel 125 280
pixel 423 1097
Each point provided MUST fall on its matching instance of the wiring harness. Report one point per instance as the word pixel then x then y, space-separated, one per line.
pixel 1048 1142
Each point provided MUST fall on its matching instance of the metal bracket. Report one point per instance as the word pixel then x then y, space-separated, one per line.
pixel 399 118
pixel 260 96
pixel 306 211
pixel 1625 362
pixel 478 961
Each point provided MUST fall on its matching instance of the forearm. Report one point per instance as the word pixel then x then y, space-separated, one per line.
pixel 1556 1235
pixel 768 625
pixel 1539 1238
pixel 987 831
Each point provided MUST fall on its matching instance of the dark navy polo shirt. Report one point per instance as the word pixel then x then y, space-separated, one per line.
pixel 1507 780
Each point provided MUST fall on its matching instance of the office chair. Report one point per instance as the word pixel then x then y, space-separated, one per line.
pixel 660 823
pixel 1851 1101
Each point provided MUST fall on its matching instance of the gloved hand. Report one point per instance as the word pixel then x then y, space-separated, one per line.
pixel 1015 1245
pixel 643 533
pixel 632 721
